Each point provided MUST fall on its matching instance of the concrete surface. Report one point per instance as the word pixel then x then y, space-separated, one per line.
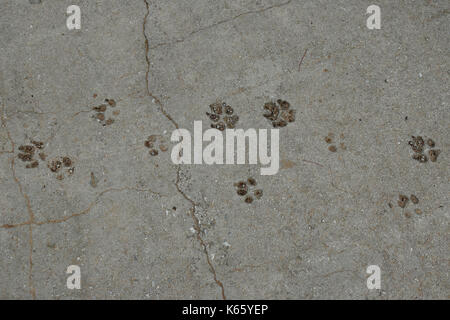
pixel 144 228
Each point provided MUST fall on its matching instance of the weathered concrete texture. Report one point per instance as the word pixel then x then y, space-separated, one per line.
pixel 141 227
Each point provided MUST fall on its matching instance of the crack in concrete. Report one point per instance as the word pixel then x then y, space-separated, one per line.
pixel 175 124
pixel 147 72
pixel 31 221
pixel 198 233
pixel 219 23
pixel 77 214
pixel 28 204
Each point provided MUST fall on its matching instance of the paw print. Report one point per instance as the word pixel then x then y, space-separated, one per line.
pixel 56 165
pixel 330 139
pixel 102 109
pixel 279 113
pixel 27 153
pixel 248 188
pixel 154 140
pixel 403 200
pixel 229 120
pixel 418 145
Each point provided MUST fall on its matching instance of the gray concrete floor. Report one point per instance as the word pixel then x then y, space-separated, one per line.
pixel 141 227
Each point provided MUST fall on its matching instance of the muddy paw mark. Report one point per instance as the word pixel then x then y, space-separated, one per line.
pixel 28 152
pixel 102 110
pixel 155 142
pixel 330 140
pixel 418 146
pixel 247 189
pixel 279 113
pixel 229 118
pixel 58 164
pixel 403 201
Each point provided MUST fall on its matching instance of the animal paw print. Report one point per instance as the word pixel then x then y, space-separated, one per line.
pixel 154 140
pixel 229 120
pixel 102 109
pixel 418 144
pixel 403 200
pixel 279 113
pixel 28 152
pixel 56 165
pixel 330 139
pixel 248 188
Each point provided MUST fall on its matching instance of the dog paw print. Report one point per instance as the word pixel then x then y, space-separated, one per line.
pixel 248 190
pixel 403 201
pixel 59 164
pixel 155 142
pixel 229 118
pixel 28 152
pixel 102 111
pixel 279 113
pixel 329 139
pixel 418 146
